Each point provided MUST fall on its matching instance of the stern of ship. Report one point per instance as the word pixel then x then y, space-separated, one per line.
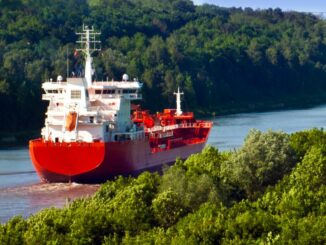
pixel 63 161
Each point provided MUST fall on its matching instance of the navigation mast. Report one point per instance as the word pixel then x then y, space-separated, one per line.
pixel 178 95
pixel 88 46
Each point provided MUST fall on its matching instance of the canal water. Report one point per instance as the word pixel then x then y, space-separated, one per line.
pixel 22 194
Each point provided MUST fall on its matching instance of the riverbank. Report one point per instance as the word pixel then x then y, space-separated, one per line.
pixel 289 103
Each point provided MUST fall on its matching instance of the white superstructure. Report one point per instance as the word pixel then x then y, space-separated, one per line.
pixel 81 109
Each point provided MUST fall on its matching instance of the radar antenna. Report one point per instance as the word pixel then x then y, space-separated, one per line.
pixel 88 44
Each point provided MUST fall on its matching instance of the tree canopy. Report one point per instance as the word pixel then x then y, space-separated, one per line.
pixel 225 59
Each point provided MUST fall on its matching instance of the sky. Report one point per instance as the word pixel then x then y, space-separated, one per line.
pixel 313 6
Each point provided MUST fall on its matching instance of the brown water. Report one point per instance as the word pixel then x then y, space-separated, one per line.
pixel 22 194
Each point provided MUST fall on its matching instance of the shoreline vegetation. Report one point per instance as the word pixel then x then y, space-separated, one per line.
pixel 272 190
pixel 226 60
pixel 299 102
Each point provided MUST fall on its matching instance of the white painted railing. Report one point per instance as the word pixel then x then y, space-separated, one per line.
pixel 175 126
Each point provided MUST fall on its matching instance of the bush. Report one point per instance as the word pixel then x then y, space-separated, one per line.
pixel 263 160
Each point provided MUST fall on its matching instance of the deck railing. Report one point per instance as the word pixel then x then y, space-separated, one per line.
pixel 182 125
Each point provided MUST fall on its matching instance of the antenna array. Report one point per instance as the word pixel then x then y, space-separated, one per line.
pixel 88 40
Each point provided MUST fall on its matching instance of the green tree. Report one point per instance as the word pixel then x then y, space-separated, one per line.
pixel 263 160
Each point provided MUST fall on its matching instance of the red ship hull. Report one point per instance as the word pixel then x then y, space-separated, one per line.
pixel 99 161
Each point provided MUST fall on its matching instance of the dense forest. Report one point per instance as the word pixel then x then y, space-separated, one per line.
pixel 225 59
pixel 272 190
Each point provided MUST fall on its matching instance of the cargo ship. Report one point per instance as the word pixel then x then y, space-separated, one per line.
pixel 93 132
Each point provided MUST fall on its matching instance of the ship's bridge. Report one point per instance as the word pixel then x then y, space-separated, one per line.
pixel 114 89
pixel 54 90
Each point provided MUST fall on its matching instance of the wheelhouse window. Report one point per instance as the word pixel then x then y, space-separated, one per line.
pixel 105 91
pixel 75 94
pixel 109 91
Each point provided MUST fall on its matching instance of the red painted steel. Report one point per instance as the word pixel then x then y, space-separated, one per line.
pixel 99 161
pixel 66 158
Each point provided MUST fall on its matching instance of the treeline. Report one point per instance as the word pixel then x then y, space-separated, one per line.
pixel 224 59
pixel 270 191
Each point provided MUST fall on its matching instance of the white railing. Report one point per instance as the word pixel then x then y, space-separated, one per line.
pixel 56 108
pixel 53 96
pixel 175 126
pixel 133 96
